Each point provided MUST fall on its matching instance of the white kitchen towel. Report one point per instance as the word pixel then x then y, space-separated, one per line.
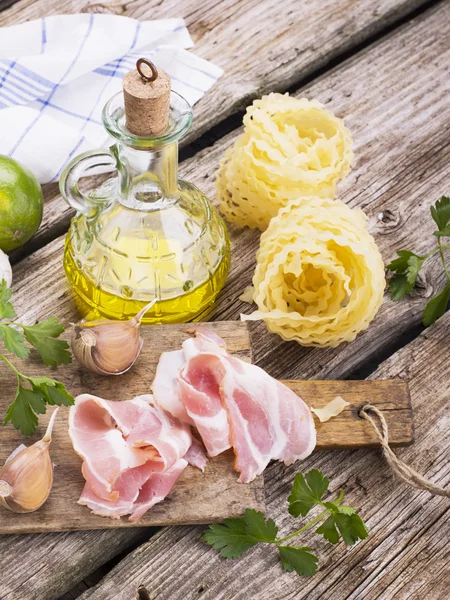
pixel 57 73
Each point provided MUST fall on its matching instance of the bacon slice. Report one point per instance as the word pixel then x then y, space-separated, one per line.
pixel 202 403
pixel 268 421
pixel 140 489
pixel 132 452
pixel 155 428
pixel 233 403
pixel 165 388
pixel 156 488
pixel 94 430
pixel 196 455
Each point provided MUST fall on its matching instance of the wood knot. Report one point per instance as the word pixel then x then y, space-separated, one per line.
pixel 142 593
pixel 421 288
pixel 98 8
pixel 388 220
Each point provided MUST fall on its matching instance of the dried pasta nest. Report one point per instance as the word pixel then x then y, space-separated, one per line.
pixel 290 148
pixel 319 278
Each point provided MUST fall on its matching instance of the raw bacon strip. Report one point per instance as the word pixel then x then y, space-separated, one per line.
pixel 201 402
pixel 205 408
pixel 123 446
pixel 166 392
pixel 266 419
pixel 140 489
pixel 128 486
pixel 156 488
pixel 196 455
pixel 204 341
pixel 104 450
pixel 158 429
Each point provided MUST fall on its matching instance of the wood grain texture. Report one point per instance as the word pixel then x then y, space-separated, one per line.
pixel 348 430
pixel 196 497
pixel 4 4
pixel 405 556
pixel 394 97
pixel 259 46
pixel 234 34
pixel 398 111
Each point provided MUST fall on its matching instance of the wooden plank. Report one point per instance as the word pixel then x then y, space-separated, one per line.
pixel 196 498
pixel 348 430
pixel 405 556
pixel 393 181
pixel 393 186
pixel 260 47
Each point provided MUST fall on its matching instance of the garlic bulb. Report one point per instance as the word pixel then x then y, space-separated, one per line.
pixel 108 347
pixel 27 476
pixel 5 269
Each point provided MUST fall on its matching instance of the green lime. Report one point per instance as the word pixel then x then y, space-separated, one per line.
pixel 20 204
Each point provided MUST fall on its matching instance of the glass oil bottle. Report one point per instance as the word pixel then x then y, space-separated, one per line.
pixel 144 233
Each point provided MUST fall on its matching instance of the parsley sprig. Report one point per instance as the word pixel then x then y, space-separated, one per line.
pixel 408 264
pixel 33 394
pixel 238 534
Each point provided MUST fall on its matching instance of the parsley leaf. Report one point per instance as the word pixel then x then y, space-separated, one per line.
pixel 328 530
pixel 349 526
pixel 443 232
pixel 436 307
pixel 414 265
pixel 307 492
pixel 347 510
pixel 236 535
pixel 6 308
pixel 54 391
pixel 299 559
pixel 406 268
pixel 399 286
pixel 24 410
pixel 400 264
pixel 13 341
pixel 28 404
pixel 42 336
pixel 441 212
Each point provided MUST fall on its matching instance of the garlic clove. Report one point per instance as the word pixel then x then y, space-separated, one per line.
pixel 26 478
pixel 5 269
pixel 108 347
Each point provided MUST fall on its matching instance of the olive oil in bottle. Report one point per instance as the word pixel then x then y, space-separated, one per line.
pixel 143 234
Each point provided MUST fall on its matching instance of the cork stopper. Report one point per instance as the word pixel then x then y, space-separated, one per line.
pixel 146 92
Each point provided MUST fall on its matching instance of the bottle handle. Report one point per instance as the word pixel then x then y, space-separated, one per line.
pixel 100 161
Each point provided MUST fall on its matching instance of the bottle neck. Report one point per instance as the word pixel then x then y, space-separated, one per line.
pixel 148 178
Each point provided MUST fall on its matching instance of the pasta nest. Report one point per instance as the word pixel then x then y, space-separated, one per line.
pixel 319 278
pixel 290 148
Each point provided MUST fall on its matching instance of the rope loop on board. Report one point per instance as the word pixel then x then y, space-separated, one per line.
pixel 402 470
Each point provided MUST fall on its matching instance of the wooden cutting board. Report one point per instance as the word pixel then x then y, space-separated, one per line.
pixel 196 497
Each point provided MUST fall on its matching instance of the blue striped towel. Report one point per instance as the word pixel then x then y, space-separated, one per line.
pixel 57 73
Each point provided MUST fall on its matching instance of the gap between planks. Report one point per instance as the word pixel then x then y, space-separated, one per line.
pixel 201 135
pixel 392 563
pixel 320 369
pixel 197 497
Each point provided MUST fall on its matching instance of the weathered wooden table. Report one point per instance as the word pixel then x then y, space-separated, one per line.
pixel 384 65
